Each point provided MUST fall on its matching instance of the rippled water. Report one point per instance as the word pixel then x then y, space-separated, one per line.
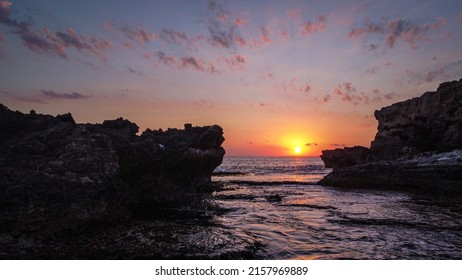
pixel 275 202
pixel 269 208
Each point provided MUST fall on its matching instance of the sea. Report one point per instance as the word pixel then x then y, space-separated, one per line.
pixel 276 205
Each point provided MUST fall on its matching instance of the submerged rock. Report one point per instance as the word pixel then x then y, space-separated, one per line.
pixel 57 175
pixel 414 139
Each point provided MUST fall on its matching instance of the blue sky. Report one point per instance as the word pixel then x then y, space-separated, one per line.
pixel 274 74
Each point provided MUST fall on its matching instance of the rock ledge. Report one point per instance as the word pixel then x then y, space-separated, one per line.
pixel 418 146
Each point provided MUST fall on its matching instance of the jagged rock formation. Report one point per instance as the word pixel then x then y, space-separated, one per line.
pixel 409 148
pixel 432 122
pixel 56 174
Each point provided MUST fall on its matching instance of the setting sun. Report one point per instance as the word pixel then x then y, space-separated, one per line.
pixel 297 150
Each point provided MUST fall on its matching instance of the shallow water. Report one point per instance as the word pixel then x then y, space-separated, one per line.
pixel 268 208
pixel 274 202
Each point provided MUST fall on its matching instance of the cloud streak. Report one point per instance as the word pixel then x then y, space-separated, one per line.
pixel 310 27
pixel 393 31
pixel 56 95
pixel 48 42
pixel 222 30
pixel 348 93
pixel 139 35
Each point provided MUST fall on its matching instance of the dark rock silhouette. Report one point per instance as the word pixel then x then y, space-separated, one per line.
pixel 417 146
pixel 346 156
pixel 56 174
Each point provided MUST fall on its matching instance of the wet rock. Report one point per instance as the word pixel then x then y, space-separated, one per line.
pixel 436 173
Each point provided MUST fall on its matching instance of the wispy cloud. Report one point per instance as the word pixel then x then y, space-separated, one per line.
pixel 56 95
pixel 199 64
pixel 136 72
pixel 296 87
pixel 222 30
pixel 348 93
pixel 310 27
pixel 165 59
pixel 172 36
pixel 311 144
pixel 392 31
pixel 337 145
pixel 236 62
pixel 45 95
pixel 426 76
pixel 139 35
pixel 377 68
pixel 49 42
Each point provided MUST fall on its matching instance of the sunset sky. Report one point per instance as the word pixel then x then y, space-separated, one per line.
pixel 275 75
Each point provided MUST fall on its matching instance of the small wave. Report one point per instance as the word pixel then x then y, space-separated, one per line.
pixel 229 173
pixel 268 183
pixel 313 206
pixel 394 223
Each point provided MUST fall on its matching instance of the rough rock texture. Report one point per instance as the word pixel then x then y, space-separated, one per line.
pixel 432 122
pixel 441 172
pixel 56 174
pixel 412 136
pixel 346 157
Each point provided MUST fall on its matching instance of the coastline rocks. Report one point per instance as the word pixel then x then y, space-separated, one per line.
pixel 436 173
pixel 432 122
pixel 57 175
pixel 346 157
pixel 409 150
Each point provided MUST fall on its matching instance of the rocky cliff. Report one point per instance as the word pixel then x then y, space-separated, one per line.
pixel 57 174
pixel 410 148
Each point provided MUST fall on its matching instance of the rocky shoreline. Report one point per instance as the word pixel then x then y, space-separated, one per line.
pixel 61 181
pixel 418 146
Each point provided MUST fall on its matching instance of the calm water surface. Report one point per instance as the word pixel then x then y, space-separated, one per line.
pixel 275 202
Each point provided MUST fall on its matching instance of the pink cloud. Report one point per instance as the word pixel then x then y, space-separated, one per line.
pixel 368 28
pixel 427 76
pixel 55 95
pixel 136 72
pixel 348 93
pixel 393 31
pixel 313 27
pixel 178 37
pixel 267 75
pixel 49 42
pixel 265 34
pixel 236 62
pixel 222 31
pixel 139 35
pixel 375 69
pixel 295 14
pixel 239 40
pixel 440 23
pixel 197 64
pixel 165 59
pixel 239 22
